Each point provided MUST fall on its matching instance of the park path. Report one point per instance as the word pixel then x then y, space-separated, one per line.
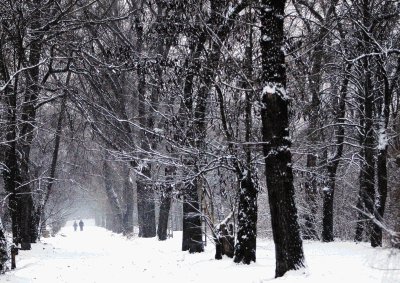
pixel 96 255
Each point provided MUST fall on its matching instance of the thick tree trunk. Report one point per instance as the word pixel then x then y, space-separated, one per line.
pixel 333 162
pixel 367 174
pixel 376 237
pixel 196 137
pixel 12 176
pixel 328 198
pixel 128 199
pixel 192 237
pixel 116 211
pixel 28 118
pixel 8 184
pixel 165 205
pixel 275 125
pixel 313 138
pixel 145 193
pixel 191 222
pixel 146 206
pixel 314 131
pixel 245 249
pixel 383 106
pixel 395 200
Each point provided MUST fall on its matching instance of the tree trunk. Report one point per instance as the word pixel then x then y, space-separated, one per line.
pixel 39 216
pixel 116 211
pixel 245 249
pixel 146 205
pixel 165 206
pixel 333 162
pixel 28 126
pixel 12 178
pixel 395 200
pixel 3 249
pixel 376 237
pixel 191 221
pixel 383 106
pixel 367 180
pixel 145 194
pixel 275 125
pixel 328 198
pixel 310 232
pixel 313 138
pixel 192 237
pixel 128 199
pixel 196 136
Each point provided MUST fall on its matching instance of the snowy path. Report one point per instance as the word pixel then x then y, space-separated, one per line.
pixel 96 255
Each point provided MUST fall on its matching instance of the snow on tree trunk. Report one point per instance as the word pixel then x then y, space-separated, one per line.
pixel 383 108
pixel 275 132
pixel 380 202
pixel 245 248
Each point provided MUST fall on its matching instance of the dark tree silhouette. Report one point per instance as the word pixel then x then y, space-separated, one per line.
pixel 274 114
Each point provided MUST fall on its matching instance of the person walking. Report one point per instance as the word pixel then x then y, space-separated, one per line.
pixel 81 224
pixel 75 225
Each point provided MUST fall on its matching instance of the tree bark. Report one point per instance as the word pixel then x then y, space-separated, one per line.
pixel 145 193
pixel 196 136
pixel 165 205
pixel 245 249
pixel 382 172
pixel 367 174
pixel 128 200
pixel 12 176
pixel 116 211
pixel 313 138
pixel 275 124
pixel 333 162
pixel 246 244
pixel 28 117
pixel 192 236
pixel 146 205
pixel 191 222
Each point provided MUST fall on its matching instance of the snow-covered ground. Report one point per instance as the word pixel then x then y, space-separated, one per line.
pixel 97 255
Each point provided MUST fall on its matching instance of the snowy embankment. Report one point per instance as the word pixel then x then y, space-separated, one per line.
pixel 97 255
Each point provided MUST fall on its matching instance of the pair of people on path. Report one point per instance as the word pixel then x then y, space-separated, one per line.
pixel 80 225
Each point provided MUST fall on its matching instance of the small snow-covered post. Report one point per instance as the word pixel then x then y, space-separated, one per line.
pixel 276 142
